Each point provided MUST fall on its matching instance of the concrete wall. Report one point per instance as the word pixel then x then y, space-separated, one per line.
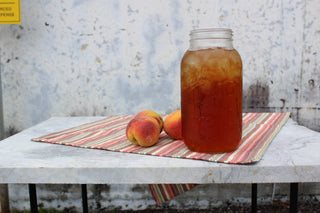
pixel 119 57
pixel 138 197
pixel 78 57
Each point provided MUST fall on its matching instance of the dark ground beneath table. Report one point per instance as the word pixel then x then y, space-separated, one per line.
pixel 275 207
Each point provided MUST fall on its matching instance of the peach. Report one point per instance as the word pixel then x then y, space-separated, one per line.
pixel 150 113
pixel 172 125
pixel 143 131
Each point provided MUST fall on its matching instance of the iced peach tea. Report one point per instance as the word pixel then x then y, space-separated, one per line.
pixel 211 100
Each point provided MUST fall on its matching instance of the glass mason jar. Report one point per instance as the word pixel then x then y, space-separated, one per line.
pixel 211 92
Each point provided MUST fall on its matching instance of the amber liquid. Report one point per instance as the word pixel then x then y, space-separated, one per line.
pixel 211 100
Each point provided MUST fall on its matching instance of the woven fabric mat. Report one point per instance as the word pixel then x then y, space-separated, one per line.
pixel 258 130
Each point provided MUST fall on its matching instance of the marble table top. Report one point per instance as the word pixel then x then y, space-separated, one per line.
pixel 293 156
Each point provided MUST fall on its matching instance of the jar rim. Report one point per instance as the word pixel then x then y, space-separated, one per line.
pixel 211 30
pixel 211 33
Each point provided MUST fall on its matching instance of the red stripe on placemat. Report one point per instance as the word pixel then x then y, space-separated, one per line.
pixel 165 192
pixel 258 131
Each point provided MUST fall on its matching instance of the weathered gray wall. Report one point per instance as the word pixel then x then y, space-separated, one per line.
pixel 80 57
pixel 119 57
pixel 138 197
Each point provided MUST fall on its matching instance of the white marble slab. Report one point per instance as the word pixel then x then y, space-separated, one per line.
pixel 293 156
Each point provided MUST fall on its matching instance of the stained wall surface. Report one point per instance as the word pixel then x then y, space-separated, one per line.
pixel 85 58
pixel 72 58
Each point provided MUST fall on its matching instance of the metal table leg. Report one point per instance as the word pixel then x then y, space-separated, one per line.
pixel 33 198
pixel 4 198
pixel 254 195
pixel 293 197
pixel 84 198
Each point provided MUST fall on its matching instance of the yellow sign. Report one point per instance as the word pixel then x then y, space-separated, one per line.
pixel 10 12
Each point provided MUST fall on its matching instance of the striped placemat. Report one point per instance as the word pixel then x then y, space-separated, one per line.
pixel 109 134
